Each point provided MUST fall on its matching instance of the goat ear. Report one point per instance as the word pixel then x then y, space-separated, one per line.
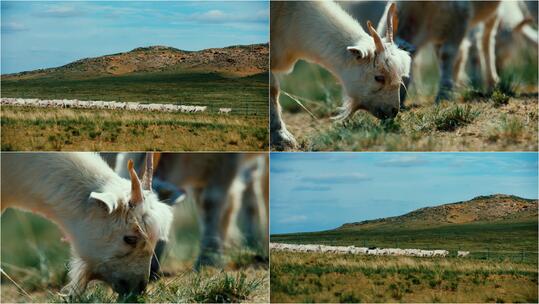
pixel 106 200
pixel 358 52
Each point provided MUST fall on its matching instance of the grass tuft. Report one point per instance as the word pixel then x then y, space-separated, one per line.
pixel 453 117
pixel 223 288
pixel 499 98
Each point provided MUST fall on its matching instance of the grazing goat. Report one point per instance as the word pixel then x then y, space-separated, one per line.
pixel 224 186
pixel 225 110
pixel 370 69
pixel 446 24
pixel 515 33
pixel 112 223
pixel 462 254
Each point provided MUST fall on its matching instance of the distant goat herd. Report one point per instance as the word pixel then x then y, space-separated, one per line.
pixel 112 105
pixel 365 250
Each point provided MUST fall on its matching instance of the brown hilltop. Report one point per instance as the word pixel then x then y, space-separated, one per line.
pixel 235 61
pixel 481 208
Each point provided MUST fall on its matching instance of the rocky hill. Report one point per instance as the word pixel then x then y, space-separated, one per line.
pixel 479 209
pixel 235 61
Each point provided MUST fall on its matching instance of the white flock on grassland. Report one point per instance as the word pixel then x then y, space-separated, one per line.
pixel 369 68
pixel 97 104
pixel 364 250
pixel 112 223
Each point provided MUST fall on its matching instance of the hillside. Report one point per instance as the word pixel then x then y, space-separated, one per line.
pixel 236 61
pixel 500 223
pixel 482 208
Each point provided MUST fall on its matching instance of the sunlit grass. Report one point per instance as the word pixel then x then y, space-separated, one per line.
pixel 465 123
pixel 317 277
pixel 115 130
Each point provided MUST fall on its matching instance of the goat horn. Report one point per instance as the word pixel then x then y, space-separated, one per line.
pixel 136 190
pixel 377 40
pixel 392 22
pixel 148 172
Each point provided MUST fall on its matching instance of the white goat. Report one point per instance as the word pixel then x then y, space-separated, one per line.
pixel 370 69
pixel 112 223
pixel 515 33
pixel 225 110
pixel 462 254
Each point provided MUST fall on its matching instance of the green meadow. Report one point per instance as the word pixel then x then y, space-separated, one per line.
pixel 245 129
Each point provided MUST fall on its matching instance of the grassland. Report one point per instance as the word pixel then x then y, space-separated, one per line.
pixel 501 267
pixel 504 120
pixel 33 129
pixel 248 94
pixel 35 258
pixel 98 130
pixel 314 277
pixel 495 240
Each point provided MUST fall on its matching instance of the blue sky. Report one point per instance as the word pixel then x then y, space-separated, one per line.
pixel 47 34
pixel 318 191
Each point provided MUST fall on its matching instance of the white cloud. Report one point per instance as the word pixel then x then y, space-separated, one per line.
pixel 311 188
pixel 13 27
pixel 403 161
pixel 342 178
pixel 293 219
pixel 60 11
pixel 218 16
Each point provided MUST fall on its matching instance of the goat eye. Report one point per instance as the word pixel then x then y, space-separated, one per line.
pixel 380 78
pixel 131 240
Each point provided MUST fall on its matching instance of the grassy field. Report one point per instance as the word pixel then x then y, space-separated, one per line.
pixel 249 95
pixel 315 277
pixel 34 129
pixel 501 267
pixel 59 129
pixel 35 258
pixel 505 120
pixel 496 240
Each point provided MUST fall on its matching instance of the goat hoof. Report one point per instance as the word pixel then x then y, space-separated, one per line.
pixel 283 140
pixel 443 96
pixel 209 259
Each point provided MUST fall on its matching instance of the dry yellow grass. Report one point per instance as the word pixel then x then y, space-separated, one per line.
pixel 308 277
pixel 32 129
